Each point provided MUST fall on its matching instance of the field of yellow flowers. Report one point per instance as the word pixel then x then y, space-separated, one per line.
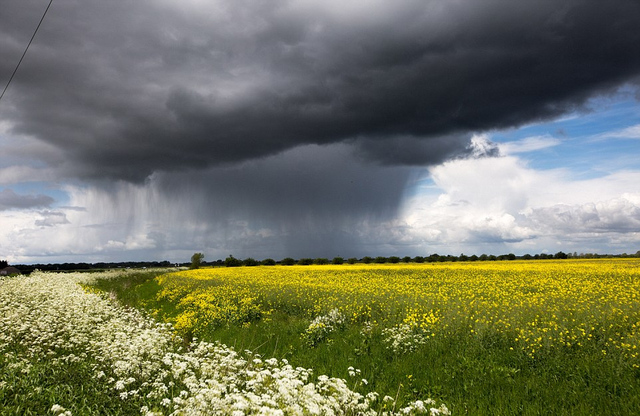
pixel 511 337
pixel 539 306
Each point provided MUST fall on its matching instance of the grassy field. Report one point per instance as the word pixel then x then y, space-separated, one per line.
pixel 499 338
pixel 529 338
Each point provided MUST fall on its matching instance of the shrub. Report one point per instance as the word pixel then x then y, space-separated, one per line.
pixel 232 262
pixel 250 262
pixel 288 261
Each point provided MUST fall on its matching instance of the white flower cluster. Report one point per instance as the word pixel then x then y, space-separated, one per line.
pixel 323 325
pixel 58 410
pixel 53 318
pixel 403 338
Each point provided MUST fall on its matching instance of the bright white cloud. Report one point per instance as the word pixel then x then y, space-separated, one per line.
pixel 528 144
pixel 500 203
pixel 632 132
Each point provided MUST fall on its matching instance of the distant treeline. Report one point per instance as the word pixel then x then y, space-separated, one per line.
pixel 288 261
pixel 433 258
pixel 25 269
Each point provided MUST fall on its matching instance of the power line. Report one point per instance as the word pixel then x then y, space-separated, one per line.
pixel 25 50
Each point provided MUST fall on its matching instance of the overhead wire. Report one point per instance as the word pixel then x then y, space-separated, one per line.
pixel 25 50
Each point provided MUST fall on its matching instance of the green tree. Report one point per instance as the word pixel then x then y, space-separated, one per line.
pixel 337 260
pixel 232 262
pixel 268 262
pixel 196 260
pixel 250 262
pixel 288 261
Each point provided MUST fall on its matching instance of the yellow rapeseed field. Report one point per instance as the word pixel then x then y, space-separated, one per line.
pixel 537 306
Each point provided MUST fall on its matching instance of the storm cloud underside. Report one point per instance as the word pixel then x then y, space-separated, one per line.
pixel 128 88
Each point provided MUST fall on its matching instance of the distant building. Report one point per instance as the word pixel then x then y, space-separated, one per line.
pixel 9 270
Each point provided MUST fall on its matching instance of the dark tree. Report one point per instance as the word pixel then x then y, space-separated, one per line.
pixel 232 262
pixel 337 260
pixel 3 264
pixel 250 262
pixel 433 258
pixel 196 260
pixel 352 260
pixel 268 262
pixel 288 261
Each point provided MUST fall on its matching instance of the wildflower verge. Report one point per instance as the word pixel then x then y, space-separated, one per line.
pixel 48 320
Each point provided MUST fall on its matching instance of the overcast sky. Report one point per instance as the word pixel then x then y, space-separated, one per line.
pixel 152 129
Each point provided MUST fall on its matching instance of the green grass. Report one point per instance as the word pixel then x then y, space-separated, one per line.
pixel 472 375
pixel 33 387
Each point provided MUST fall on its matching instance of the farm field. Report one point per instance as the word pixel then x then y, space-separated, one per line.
pixel 510 337
pixel 506 338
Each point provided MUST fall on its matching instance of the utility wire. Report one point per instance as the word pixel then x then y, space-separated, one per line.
pixel 26 49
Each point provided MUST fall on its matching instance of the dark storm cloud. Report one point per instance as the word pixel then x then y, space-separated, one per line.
pixel 129 88
pixel 11 200
pixel 307 182
pixel 310 201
